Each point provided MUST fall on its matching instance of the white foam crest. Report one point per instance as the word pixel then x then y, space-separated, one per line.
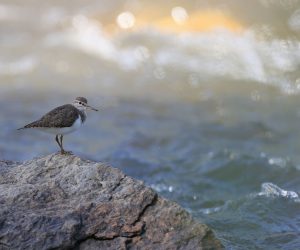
pixel 294 20
pixel 239 56
pixel 162 188
pixel 88 36
pixel 278 161
pixel 23 65
pixel 212 210
pixel 214 54
pixel 269 189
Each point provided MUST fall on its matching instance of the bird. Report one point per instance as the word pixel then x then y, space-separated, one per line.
pixel 62 120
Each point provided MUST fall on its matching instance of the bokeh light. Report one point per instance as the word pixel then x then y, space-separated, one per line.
pixel 126 20
pixel 179 14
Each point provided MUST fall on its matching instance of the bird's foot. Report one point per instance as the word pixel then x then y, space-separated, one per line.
pixel 63 152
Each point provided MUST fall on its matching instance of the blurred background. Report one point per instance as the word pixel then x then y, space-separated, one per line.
pixel 198 98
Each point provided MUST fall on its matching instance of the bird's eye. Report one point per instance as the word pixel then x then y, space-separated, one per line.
pixel 80 102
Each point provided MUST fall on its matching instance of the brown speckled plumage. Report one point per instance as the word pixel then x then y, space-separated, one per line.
pixel 60 117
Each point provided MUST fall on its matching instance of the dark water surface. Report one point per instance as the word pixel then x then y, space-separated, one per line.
pixel 206 112
pixel 239 177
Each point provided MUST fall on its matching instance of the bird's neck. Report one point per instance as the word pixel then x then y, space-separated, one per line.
pixel 82 114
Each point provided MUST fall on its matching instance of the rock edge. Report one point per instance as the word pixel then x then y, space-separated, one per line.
pixel 64 202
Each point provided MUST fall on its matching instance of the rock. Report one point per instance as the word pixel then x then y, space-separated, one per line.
pixel 64 202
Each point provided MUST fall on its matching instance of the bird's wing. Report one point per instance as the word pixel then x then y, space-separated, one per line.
pixel 60 117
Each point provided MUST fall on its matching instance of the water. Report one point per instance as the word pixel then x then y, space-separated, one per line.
pixel 200 99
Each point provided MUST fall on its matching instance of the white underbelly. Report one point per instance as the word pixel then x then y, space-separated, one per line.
pixel 63 131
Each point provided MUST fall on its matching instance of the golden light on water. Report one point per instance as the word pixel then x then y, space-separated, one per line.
pixel 178 20
pixel 202 20
pixel 126 20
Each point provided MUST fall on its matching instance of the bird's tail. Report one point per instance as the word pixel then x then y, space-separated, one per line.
pixel 30 125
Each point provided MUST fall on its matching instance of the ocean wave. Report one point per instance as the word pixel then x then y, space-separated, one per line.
pixel 218 53
pixel 269 189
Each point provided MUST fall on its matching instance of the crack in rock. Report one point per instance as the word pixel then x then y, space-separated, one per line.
pixel 64 202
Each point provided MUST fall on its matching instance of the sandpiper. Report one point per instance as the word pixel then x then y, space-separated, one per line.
pixel 63 120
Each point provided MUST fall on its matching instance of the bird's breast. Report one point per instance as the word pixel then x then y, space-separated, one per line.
pixel 63 130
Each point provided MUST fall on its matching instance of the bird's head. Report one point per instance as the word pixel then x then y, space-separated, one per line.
pixel 81 104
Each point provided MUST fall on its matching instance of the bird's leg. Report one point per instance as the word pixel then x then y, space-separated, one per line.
pixel 62 151
pixel 57 140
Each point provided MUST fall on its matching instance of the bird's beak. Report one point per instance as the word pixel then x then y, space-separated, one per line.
pixel 90 108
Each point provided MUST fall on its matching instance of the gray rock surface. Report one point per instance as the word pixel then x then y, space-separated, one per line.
pixel 64 202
